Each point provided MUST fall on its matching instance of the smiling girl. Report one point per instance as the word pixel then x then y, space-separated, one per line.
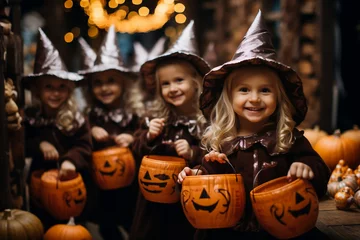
pixel 56 133
pixel 174 130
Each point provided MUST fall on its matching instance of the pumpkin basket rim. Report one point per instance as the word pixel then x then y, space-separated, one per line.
pixel 50 183
pixel 214 175
pixel 164 158
pixel 111 151
pixel 295 182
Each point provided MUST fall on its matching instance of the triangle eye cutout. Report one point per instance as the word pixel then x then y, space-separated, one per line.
pixel 204 194
pixel 107 164
pixel 299 198
pixel 147 176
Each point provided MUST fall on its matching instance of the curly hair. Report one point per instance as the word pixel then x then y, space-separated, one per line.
pixel 132 97
pixel 66 115
pixel 224 123
pixel 160 108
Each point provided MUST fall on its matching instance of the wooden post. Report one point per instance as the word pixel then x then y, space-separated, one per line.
pixel 5 197
pixel 326 71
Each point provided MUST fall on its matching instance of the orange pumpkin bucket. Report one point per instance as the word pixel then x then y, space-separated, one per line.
pixel 62 199
pixel 113 167
pixel 157 178
pixel 213 201
pixel 35 187
pixel 283 209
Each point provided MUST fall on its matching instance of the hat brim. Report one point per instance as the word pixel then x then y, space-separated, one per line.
pixel 103 68
pixel 148 69
pixel 26 81
pixel 214 81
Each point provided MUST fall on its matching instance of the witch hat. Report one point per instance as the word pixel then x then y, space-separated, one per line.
pixel 141 55
pixel 87 53
pixel 108 56
pixel 184 48
pixel 48 62
pixel 255 49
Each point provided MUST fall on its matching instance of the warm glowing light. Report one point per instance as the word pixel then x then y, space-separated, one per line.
pixel 136 2
pixel 132 14
pixel 93 31
pixel 179 7
pixel 76 31
pixel 169 1
pixel 68 4
pixel 69 37
pixel 180 18
pixel 84 3
pixel 113 4
pixel 125 8
pixel 144 11
pixel 120 1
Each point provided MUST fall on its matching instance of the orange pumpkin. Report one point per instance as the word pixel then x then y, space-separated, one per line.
pixel 353 134
pixel 67 231
pixel 313 135
pixel 283 209
pixel 62 199
pixel 20 225
pixel 335 147
pixel 213 201
pixel 344 198
pixel 113 167
pixel 158 176
pixel 35 187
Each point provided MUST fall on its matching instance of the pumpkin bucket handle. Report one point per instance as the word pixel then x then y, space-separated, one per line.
pixel 264 166
pixel 227 160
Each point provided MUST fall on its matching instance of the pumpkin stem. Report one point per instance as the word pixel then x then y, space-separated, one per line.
pixel 7 214
pixel 337 133
pixel 71 222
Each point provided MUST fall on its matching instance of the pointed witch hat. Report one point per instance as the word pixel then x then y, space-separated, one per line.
pixel 108 56
pixel 141 55
pixel 87 53
pixel 255 49
pixel 184 48
pixel 48 62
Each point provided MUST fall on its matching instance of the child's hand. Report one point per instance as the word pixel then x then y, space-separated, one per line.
pixel 187 172
pixel 99 134
pixel 216 156
pixel 183 149
pixel 124 139
pixel 67 171
pixel 300 170
pixel 49 151
pixel 156 126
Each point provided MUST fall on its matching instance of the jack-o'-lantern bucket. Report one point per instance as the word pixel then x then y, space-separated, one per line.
pixel 113 167
pixel 158 178
pixel 285 209
pixel 213 201
pixel 62 199
pixel 35 187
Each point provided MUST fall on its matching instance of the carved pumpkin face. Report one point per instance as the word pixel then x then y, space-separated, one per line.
pixel 158 176
pixel 76 196
pixel 113 167
pixel 213 201
pixel 285 210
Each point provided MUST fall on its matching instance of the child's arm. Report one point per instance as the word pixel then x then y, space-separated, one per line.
pixel 99 134
pixel 300 170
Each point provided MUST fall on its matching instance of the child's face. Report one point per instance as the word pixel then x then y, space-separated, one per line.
pixel 177 85
pixel 107 87
pixel 53 92
pixel 254 94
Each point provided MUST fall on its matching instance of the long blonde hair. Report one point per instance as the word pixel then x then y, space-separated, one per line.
pixel 160 108
pixel 224 124
pixel 66 115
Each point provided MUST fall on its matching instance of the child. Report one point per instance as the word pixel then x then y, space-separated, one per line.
pixel 56 133
pixel 254 104
pixel 175 76
pixel 113 114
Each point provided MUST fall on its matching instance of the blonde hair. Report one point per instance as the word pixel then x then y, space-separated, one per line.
pixel 224 124
pixel 65 117
pixel 132 97
pixel 160 108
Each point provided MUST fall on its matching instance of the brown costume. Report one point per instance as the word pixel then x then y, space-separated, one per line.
pixel 114 206
pixel 156 220
pixel 247 154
